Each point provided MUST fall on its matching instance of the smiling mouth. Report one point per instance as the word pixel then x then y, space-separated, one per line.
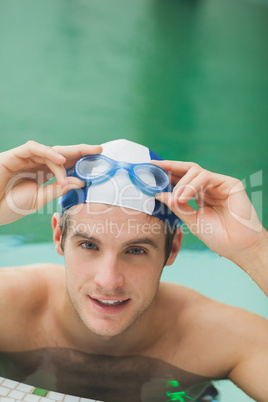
pixel 107 302
pixel 111 302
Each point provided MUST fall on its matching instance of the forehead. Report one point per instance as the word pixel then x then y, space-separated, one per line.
pixel 102 219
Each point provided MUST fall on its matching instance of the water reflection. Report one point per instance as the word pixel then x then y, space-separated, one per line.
pixel 107 378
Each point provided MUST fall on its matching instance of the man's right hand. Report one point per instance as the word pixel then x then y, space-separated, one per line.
pixel 24 171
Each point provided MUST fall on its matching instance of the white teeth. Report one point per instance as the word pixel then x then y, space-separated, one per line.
pixel 111 302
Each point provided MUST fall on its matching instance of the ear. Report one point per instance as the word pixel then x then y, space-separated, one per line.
pixel 57 232
pixel 176 245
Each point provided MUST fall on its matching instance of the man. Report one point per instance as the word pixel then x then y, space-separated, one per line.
pixel 103 326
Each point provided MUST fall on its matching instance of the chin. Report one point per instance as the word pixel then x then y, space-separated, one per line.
pixel 106 327
pixel 106 331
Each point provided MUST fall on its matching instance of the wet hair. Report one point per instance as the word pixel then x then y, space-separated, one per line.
pixel 169 232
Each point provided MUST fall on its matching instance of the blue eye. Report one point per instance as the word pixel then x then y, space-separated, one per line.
pixel 136 251
pixel 88 246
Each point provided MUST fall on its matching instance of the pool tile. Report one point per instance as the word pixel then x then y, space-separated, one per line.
pixel 10 383
pixel 69 398
pixel 4 391
pixel 40 392
pixel 17 394
pixel 31 398
pixel 25 388
pixel 56 396
pixel 13 391
pixel 87 400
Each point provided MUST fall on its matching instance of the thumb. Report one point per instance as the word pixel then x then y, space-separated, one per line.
pixel 54 190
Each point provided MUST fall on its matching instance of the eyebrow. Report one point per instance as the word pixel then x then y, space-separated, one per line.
pixel 133 242
pixel 86 237
pixel 142 240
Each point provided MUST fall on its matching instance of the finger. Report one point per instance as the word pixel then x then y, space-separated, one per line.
pixel 49 171
pixel 177 168
pixel 174 179
pixel 212 185
pixel 215 182
pixel 33 149
pixel 54 190
pixel 59 172
pixel 186 182
pixel 184 211
pixel 73 152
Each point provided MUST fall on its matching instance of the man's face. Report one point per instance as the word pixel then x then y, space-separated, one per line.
pixel 113 266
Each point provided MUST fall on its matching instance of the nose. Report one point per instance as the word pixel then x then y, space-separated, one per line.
pixel 108 274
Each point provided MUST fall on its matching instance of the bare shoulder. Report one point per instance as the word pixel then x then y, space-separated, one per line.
pixel 27 282
pixel 195 308
pixel 218 332
pixel 25 291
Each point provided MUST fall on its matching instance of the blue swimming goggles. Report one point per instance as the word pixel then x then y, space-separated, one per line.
pixel 96 169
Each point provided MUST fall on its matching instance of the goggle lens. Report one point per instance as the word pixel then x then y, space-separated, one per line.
pixel 90 168
pixel 152 175
pixel 95 169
